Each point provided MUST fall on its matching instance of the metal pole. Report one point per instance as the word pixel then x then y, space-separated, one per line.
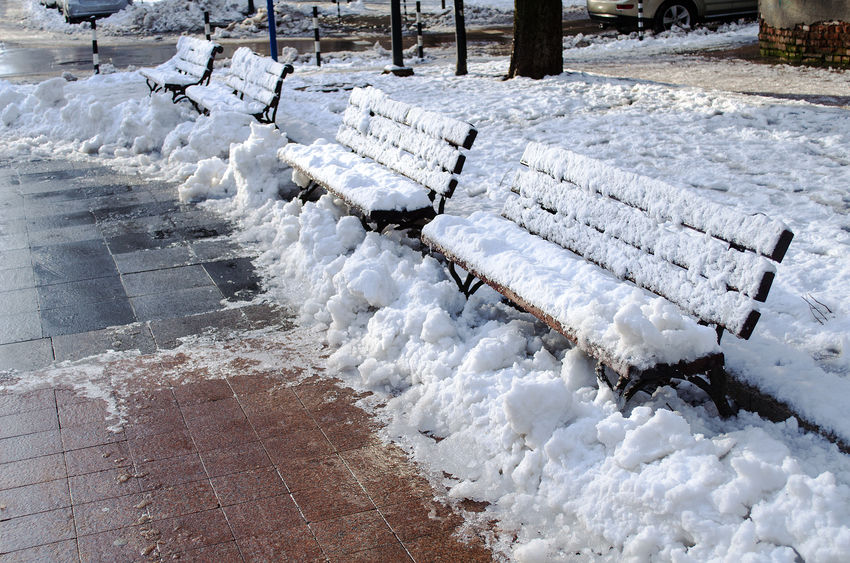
pixel 460 35
pixel 640 20
pixel 94 56
pixel 421 52
pixel 251 8
pixel 444 4
pixel 316 46
pixel 395 22
pixel 405 8
pixel 207 33
pixel 338 14
pixel 272 30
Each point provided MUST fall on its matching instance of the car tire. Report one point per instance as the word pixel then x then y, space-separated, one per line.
pixel 675 13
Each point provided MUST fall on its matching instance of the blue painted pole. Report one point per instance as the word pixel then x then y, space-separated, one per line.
pixel 272 30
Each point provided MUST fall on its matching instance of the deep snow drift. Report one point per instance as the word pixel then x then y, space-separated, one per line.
pixel 519 419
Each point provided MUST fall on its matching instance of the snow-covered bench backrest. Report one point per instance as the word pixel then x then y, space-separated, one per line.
pixel 194 56
pixel 711 260
pixel 419 144
pixel 257 77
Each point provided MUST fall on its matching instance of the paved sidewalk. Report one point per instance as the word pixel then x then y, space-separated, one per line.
pixel 235 446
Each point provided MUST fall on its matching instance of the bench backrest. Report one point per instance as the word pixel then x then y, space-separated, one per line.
pixel 419 144
pixel 195 56
pixel 711 260
pixel 259 78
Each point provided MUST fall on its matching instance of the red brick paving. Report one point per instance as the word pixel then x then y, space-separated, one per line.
pixel 235 464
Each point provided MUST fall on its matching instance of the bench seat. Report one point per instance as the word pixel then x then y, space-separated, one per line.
pixel 359 181
pixel 218 96
pixel 635 328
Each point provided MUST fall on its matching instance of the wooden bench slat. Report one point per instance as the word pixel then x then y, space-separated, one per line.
pixel 758 233
pixel 434 152
pixel 453 131
pixel 725 267
pixel 397 160
pixel 698 297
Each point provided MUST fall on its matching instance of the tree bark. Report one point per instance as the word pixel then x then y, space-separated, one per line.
pixel 538 49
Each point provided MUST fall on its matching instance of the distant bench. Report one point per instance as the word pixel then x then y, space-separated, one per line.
pixel 576 238
pixel 252 86
pixel 396 164
pixel 191 65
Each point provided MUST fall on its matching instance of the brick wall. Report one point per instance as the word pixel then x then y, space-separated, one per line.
pixel 824 44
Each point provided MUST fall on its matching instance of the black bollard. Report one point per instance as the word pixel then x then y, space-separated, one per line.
pixel 94 56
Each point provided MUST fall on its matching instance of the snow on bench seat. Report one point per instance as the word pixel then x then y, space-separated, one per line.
pixel 627 267
pixel 192 64
pixel 405 159
pixel 599 311
pixel 359 181
pixel 252 85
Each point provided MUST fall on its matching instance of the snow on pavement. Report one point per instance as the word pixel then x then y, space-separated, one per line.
pixel 520 421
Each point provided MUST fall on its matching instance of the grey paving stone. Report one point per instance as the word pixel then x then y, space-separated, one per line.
pixel 209 250
pixel 263 315
pixel 64 220
pixel 138 225
pixel 167 332
pixel 18 301
pixel 135 336
pixel 25 356
pixel 12 226
pixel 14 241
pixel 17 278
pixel 14 259
pixel 166 281
pixel 86 318
pixel 130 207
pixel 154 259
pixel 63 235
pixel 81 292
pixel 132 242
pixel 179 303
pixel 19 327
pixel 48 208
pixel 235 278
pixel 62 267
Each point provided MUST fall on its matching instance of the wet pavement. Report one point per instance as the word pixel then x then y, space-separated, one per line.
pixel 213 433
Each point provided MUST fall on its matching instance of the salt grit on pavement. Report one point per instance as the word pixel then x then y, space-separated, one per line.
pixel 479 392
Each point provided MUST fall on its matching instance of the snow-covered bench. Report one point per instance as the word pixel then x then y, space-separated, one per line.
pixel 403 166
pixel 192 64
pixel 588 249
pixel 252 85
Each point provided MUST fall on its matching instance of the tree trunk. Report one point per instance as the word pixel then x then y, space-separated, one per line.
pixel 538 49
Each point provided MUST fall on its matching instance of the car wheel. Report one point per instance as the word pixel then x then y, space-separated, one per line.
pixel 675 14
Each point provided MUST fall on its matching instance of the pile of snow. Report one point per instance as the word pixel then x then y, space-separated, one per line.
pixel 583 48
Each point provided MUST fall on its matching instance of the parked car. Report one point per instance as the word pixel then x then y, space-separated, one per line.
pixel 78 10
pixel 665 14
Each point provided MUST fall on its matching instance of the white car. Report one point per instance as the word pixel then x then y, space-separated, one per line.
pixel 664 14
pixel 78 10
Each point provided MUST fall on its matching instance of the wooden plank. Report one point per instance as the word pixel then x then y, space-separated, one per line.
pixel 711 258
pixel 728 309
pixel 758 233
